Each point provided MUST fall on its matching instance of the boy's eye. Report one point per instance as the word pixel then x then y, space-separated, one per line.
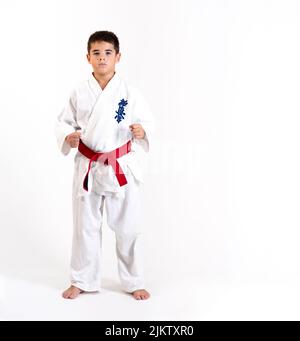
pixel 97 53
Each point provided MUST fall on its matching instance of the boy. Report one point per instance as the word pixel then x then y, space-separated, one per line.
pixel 110 124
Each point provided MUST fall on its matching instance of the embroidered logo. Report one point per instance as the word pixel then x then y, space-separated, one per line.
pixel 120 113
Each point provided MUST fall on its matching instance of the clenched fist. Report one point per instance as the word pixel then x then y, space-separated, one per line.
pixel 73 139
pixel 137 130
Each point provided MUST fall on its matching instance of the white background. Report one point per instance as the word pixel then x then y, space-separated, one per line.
pixel 221 198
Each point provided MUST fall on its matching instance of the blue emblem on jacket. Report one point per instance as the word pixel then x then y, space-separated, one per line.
pixel 120 113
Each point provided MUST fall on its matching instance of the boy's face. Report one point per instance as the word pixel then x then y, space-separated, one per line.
pixel 103 58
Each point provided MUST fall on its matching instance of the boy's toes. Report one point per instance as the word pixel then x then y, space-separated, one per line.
pixel 141 294
pixel 72 292
pixel 145 296
pixel 65 294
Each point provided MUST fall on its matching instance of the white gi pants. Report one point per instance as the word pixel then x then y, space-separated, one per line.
pixel 123 219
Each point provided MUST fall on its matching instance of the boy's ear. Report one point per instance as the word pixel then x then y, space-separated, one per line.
pixel 118 57
pixel 88 58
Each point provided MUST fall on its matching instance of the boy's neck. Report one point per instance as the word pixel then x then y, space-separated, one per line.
pixel 103 79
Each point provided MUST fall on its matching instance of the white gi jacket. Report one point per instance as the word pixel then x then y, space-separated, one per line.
pixel 104 117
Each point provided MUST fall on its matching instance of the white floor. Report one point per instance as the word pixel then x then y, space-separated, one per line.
pixel 192 299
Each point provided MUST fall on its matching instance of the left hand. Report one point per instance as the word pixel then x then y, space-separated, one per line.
pixel 137 130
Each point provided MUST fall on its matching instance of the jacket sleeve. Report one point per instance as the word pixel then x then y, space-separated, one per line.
pixel 144 116
pixel 66 124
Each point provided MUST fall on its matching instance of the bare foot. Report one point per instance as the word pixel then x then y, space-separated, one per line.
pixel 140 294
pixel 71 292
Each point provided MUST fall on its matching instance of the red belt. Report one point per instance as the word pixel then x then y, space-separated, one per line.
pixel 109 158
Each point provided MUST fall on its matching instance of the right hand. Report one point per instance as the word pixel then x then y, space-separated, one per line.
pixel 73 139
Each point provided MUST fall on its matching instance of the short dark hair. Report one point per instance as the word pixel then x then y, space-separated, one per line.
pixel 107 36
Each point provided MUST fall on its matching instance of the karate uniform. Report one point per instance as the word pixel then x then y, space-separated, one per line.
pixel 104 117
